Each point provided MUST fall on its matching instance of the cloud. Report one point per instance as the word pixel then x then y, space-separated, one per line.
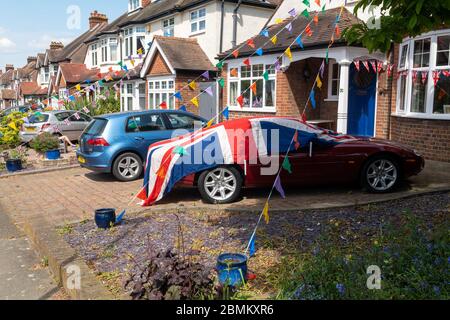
pixel 6 45
pixel 43 42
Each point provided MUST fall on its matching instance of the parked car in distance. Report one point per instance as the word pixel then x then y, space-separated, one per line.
pixel 118 143
pixel 47 121
pixel 8 111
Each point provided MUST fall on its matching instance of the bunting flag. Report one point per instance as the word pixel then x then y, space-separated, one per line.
pixel 357 65
pixel 240 100
pixel 279 187
pixel 195 102
pixel 317 2
pixel 222 82
pixel 183 108
pixel 206 75
pixel 278 21
pixel 210 123
pixel 316 19
pixel 235 53
pixel 251 43
pixel 78 87
pixel 274 39
pixel 288 27
pixel 390 69
pixel 178 96
pixel 366 65
pixel 220 65
pixel 265 33
pixel 253 87
pixel 322 69
pixel 299 41
pixel 288 53
pixel 436 76
pixel 277 65
pixel 13 126
pixel 209 91
pixel 252 246
pixel 319 82
pixel 338 31
pixel 308 31
pixel 380 67
pixel 247 62
pixel 287 165
pixel 266 213
pixel 414 76
pixel 234 72
pixel 374 65
pixel 266 75
pixel 306 3
pixel 86 110
pixel 260 52
pixel 193 85
pixel 292 12
pixel 313 99
pixel 424 77
pixel 226 113
pixel 296 141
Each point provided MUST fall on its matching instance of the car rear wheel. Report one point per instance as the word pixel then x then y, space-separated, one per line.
pixel 221 185
pixel 128 167
pixel 381 174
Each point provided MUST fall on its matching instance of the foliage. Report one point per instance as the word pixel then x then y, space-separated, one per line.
pixel 170 277
pixel 400 18
pixel 107 102
pixel 9 136
pixel 45 142
pixel 20 152
pixel 412 257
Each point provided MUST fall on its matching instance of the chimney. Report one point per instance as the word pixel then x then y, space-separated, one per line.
pixel 31 59
pixel 56 45
pixel 96 19
pixel 9 67
pixel 146 3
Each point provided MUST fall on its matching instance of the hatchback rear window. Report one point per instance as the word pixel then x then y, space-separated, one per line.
pixel 38 118
pixel 96 127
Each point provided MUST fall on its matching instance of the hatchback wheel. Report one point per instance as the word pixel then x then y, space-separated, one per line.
pixel 381 175
pixel 128 167
pixel 221 185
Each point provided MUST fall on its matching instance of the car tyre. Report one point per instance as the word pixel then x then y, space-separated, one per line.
pixel 128 167
pixel 381 174
pixel 221 185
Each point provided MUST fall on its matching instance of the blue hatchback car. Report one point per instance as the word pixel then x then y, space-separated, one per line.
pixel 118 143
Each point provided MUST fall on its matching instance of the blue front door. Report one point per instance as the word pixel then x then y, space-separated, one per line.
pixel 361 101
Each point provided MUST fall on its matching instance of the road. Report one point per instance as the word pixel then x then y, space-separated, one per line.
pixel 22 276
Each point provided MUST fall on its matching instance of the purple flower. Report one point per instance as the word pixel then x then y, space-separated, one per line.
pixel 341 288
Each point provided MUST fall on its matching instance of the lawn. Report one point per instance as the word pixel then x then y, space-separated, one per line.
pixel 314 254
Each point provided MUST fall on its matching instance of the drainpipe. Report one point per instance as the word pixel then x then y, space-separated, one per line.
pixel 391 83
pixel 235 17
pixel 222 22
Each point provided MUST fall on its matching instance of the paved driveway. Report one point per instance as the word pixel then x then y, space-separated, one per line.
pixel 72 195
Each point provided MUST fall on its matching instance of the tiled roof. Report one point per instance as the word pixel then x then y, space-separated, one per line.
pixel 7 94
pixel 184 53
pixel 31 88
pixel 6 77
pixel 321 34
pixel 77 72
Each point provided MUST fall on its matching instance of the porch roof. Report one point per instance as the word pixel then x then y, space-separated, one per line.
pixel 320 38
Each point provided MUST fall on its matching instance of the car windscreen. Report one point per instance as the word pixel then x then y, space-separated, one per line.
pixel 41 118
pixel 96 127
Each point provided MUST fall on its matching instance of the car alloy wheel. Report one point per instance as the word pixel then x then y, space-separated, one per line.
pixel 129 168
pixel 220 184
pixel 382 175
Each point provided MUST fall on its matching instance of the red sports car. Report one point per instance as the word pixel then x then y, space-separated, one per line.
pixel 316 157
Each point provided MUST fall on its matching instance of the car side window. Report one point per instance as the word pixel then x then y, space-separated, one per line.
pixel 145 123
pixel 182 121
pixel 84 117
pixel 62 116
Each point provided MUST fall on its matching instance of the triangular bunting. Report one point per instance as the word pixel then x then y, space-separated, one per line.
pixel 195 102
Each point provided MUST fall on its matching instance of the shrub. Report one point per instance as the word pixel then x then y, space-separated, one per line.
pixel 45 142
pixel 9 130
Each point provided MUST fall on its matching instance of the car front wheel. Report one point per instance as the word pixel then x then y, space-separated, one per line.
pixel 128 167
pixel 221 185
pixel 381 175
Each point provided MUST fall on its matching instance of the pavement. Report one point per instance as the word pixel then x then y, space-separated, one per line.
pixel 22 277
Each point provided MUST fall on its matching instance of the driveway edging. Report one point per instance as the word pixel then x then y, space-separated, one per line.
pixel 60 256
pixel 38 171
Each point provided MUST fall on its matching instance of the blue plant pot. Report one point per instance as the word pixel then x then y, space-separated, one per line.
pixel 13 165
pixel 232 269
pixel 105 218
pixel 53 155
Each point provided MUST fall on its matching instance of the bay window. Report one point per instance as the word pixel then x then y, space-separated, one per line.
pixel 424 76
pixel 260 98
pixel 94 58
pixel 128 42
pixel 104 50
pixel 113 50
pixel 160 91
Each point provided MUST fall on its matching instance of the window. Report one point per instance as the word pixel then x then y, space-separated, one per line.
pixel 145 123
pixel 128 33
pixel 181 121
pixel 113 50
pixel 168 27
pixel 127 96
pixel 198 20
pixel 94 58
pixel 133 5
pixel 161 91
pixel 46 75
pixel 142 96
pixel 424 76
pixel 334 75
pixel 241 79
pixel 104 50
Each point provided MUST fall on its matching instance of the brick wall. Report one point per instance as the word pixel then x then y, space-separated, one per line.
pixel 181 84
pixel 158 66
pixel 292 93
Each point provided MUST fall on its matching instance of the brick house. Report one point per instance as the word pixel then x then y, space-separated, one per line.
pixel 406 107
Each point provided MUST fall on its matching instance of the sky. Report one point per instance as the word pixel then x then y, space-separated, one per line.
pixel 28 26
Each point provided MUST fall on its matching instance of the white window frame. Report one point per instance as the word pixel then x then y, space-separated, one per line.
pixel 128 42
pixel 113 44
pixel 169 27
pixel 46 74
pixel 104 50
pixel 409 68
pixel 197 20
pixel 94 55
pixel 125 95
pixel 161 86
pixel 134 5
pixel 233 105
pixel 331 96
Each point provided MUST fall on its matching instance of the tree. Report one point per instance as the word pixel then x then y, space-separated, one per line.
pixel 399 19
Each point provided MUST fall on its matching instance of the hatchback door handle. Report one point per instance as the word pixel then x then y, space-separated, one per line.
pixel 139 138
